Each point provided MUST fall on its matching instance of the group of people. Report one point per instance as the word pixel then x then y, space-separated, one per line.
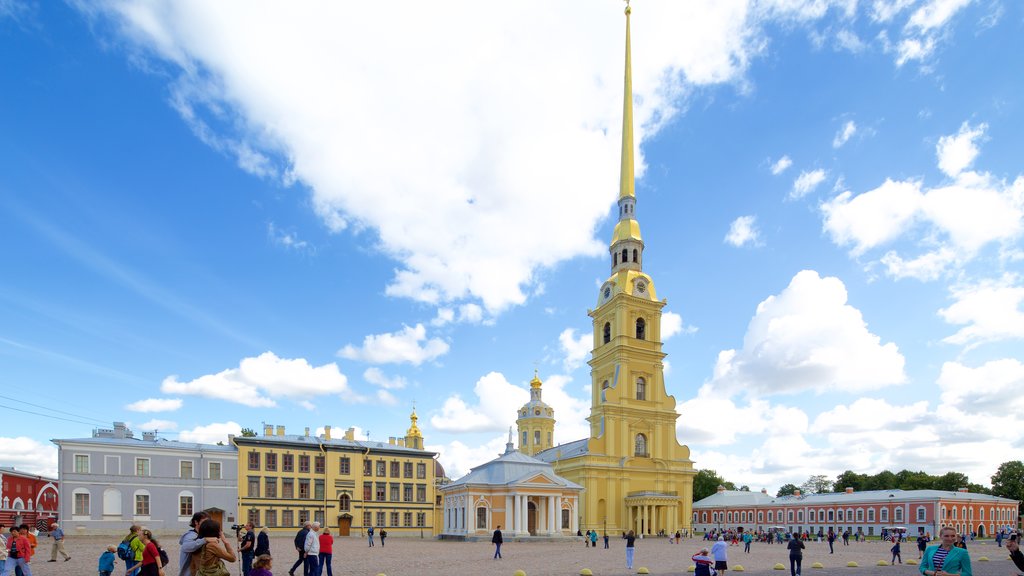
pixel 315 549
pixel 18 546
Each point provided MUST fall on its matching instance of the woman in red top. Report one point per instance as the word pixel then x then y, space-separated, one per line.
pixel 151 565
pixel 326 551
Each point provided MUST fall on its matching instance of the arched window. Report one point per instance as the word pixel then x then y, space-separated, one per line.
pixel 345 502
pixel 641 445
pixel 526 439
pixel 615 259
pixel 481 518
pixel 625 255
pixel 635 253
pixel 641 327
pixel 704 517
pixel 111 502
pixel 641 389
pixel 536 437
pixel 607 332
pixel 897 515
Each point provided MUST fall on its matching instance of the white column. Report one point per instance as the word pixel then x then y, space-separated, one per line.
pixel 508 512
pixel 525 511
pixel 574 507
pixel 515 514
pixel 551 514
pixel 558 514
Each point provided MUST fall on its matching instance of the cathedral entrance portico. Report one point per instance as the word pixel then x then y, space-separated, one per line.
pixel 650 513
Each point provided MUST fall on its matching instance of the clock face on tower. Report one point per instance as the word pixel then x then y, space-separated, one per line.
pixel 640 288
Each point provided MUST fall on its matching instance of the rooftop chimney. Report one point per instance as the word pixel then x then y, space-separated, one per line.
pixel 849 489
pixel 961 490
pixel 764 490
pixel 350 434
pixel 307 431
pixel 280 430
pixel 327 432
pixel 796 493
pixel 391 440
pixel 721 488
pixel 268 430
pixel 149 436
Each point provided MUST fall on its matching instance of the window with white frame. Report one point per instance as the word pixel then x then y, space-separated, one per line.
pixel 142 503
pixel 80 506
pixel 871 514
pixel 897 515
pixel 185 469
pixel 185 504
pixel 214 471
pixel 81 463
pixel 142 466
pixel 921 513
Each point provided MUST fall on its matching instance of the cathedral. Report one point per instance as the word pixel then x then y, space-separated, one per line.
pixel 634 472
pixel 631 473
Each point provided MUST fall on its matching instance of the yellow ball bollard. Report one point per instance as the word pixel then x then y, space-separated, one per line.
pixel 692 568
pixel 642 570
pixel 818 565
pixel 911 562
pixel 983 559
pixel 737 568
pixel 586 572
pixel 852 565
pixel 881 563
pixel 779 566
pixel 519 573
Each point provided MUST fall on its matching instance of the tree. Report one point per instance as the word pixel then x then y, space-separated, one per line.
pixel 744 488
pixel 1008 481
pixel 850 479
pixel 706 483
pixel 786 490
pixel 884 480
pixel 951 482
pixel 920 480
pixel 817 484
pixel 248 432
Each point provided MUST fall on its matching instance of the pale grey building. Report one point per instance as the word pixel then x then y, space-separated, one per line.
pixel 113 480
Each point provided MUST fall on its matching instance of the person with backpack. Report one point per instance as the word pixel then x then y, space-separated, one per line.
pixel 150 564
pixel 189 543
pixel 130 549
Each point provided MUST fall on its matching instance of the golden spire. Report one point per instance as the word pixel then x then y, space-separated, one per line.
pixel 626 171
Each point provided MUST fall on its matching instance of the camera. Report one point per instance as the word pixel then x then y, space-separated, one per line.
pixel 237 527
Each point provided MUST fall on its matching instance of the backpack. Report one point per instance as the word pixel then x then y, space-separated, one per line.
pixel 124 550
pixel 163 557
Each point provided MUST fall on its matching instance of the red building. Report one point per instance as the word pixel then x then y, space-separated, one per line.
pixel 27 498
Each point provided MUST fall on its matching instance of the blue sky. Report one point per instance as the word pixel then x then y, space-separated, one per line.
pixel 217 215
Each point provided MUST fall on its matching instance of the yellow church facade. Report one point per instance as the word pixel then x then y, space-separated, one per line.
pixel 634 473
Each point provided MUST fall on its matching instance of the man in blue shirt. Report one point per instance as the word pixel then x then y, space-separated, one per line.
pixel 58 543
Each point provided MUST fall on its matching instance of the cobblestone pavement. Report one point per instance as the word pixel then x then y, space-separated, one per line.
pixel 415 557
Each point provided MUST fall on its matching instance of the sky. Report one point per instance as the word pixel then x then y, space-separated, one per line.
pixel 216 215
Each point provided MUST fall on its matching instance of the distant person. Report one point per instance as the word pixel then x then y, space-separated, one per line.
pixel 383 535
pixel 831 541
pixel 326 551
pixel 605 540
pixel 796 555
pixel 496 539
pixel 946 559
pixel 922 543
pixel 105 566
pixel 720 552
pixel 262 543
pixel 630 549
pixel 747 539
pixel 134 546
pixel 369 534
pixel 189 543
pixel 58 543
pixel 262 565
pixel 896 552
pixel 593 539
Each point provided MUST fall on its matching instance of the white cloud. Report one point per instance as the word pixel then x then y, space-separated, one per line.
pixel 29 455
pixel 926 267
pixel 743 230
pixel 158 425
pixel 992 310
pixel 935 14
pixel 458 458
pixel 444 316
pixel 871 415
pixel 285 238
pixel 806 183
pixel 848 40
pixel 497 402
pixel 155 405
pixel 397 347
pixel 924 28
pixel 874 217
pixel 781 165
pixel 714 419
pixel 259 381
pixel 671 324
pixel 211 433
pixel 844 134
pixel 575 349
pixel 991 390
pixel 956 152
pixel 808 338
pixel 885 10
pixel 376 376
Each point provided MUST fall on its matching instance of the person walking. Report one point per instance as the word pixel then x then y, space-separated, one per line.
pixel 720 552
pixel 150 564
pixel 58 543
pixel 946 559
pixel 262 543
pixel 300 545
pixel 605 540
pixel 593 539
pixel 796 555
pixel 896 551
pixel 369 534
pixel 747 539
pixel 105 565
pixel 383 535
pixel 630 549
pixel 311 548
pixel 497 540
pixel 831 541
pixel 326 551
pixel 922 543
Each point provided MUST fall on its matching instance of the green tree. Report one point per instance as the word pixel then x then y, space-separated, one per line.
pixel 817 484
pixel 744 488
pixel 951 481
pixel 706 483
pixel 786 490
pixel 907 480
pixel 1008 481
pixel 884 480
pixel 248 432
pixel 850 479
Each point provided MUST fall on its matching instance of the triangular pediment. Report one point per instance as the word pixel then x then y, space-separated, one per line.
pixel 539 479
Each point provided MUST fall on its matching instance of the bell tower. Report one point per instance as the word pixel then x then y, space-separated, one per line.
pixel 536 422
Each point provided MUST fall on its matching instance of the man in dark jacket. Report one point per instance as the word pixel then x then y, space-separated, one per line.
pixel 300 546
pixel 262 543
pixel 497 540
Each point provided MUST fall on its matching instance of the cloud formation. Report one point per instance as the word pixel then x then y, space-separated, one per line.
pixel 806 182
pixel 844 134
pixel 743 230
pixel 781 165
pixel 211 433
pixel 408 346
pixel 575 348
pixel 155 405
pixel 260 381
pixel 992 310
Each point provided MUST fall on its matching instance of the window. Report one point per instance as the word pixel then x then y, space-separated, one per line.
pixel 898 515
pixel 142 504
pixel 345 466
pixel 771 517
pixel 407 493
pixel 920 513
pixel 821 515
pixel 213 472
pixel 625 255
pixel 421 471
pixel 395 489
pixel 871 514
pixel 641 389
pixel 407 519
pixel 790 515
pixel 303 488
pixel 382 468
pixel 287 518
pixel 254 487
pixel 287 488
pixel 142 466
pixel 526 439
pixel 381 488
pixel 254 460
pixel 800 516
pixel 367 491
pixel 421 492
pixel 81 504
pixel 184 505
pixel 320 465
pixel 407 470
pixel 304 464
pixel 185 469
pixel 396 468
pixel 318 489
pixel 760 517
pixel 565 519
pixel 344 503
pixel 635 253
pixel 380 518
pixel 271 462
pixel 288 463
pixel 270 488
pixel 367 468
pixel 367 519
pixel 81 464
pixel 883 515
pixel 318 517
pixel 271 518
pixel 860 515
pixel 641 446
pixel 607 332
pixel 536 437
pixel 831 515
pixel 253 516
pixel 954 513
pixel 394 519
pixel 481 518
pixel 303 516
pixel 421 519
pixel 641 328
